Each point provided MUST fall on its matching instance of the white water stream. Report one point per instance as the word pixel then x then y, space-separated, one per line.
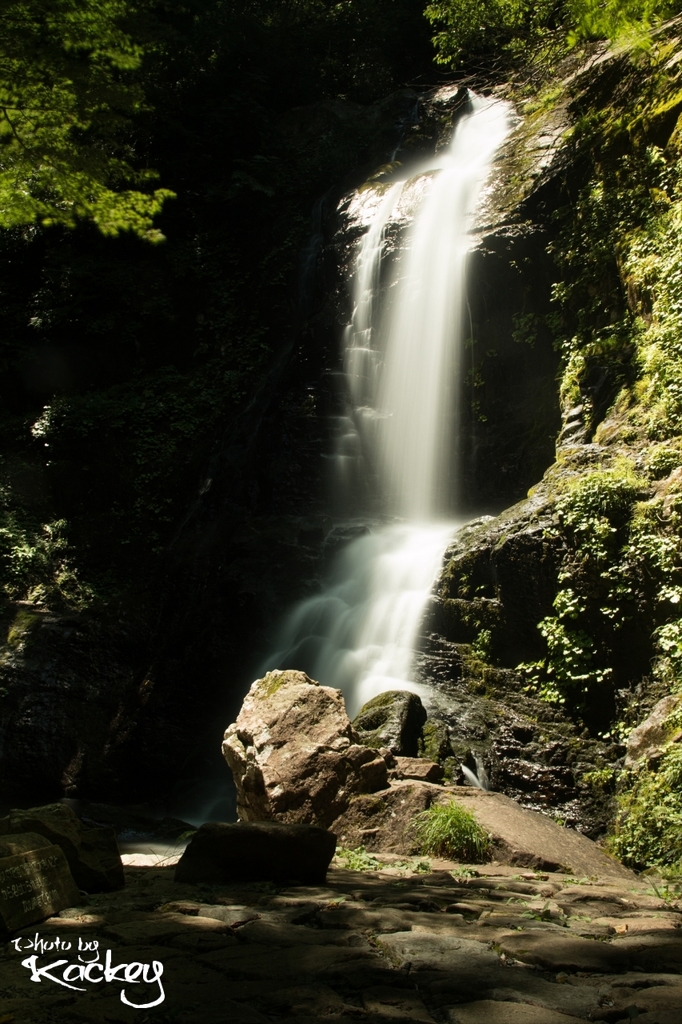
pixel 402 361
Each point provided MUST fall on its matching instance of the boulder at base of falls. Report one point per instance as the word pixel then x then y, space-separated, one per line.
pixel 294 754
pixel 92 853
pixel 393 720
pixel 257 851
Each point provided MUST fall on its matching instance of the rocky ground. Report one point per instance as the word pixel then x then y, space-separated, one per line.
pixel 411 941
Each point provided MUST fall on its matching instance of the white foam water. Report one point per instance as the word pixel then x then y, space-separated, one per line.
pixel 402 364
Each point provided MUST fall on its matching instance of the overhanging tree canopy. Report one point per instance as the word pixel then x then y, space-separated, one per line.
pixel 68 90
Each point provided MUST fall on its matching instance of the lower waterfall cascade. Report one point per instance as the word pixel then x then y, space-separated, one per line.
pixel 398 436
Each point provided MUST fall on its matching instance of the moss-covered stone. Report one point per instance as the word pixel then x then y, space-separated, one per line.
pixel 394 720
pixel 24 622
pixel 434 743
pixel 274 681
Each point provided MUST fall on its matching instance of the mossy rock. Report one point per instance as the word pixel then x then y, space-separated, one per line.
pixel 22 625
pixel 394 720
pixel 275 680
pixel 434 744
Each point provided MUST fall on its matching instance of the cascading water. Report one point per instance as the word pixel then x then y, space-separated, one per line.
pixel 402 363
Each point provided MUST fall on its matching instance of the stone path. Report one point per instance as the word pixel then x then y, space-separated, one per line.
pixel 485 945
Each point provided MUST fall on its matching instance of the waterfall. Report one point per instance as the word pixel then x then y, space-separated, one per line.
pixel 402 365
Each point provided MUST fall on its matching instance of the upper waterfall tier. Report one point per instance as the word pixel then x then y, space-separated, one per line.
pixel 404 343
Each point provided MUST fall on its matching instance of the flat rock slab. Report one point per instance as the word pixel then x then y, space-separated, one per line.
pixel 529 839
pixel 660 1017
pixel 153 928
pixel 556 953
pixel 527 988
pixel 429 951
pixel 34 885
pixel 655 951
pixel 252 851
pixel 654 998
pixel 488 1011
pixel 396 1005
pixel 302 964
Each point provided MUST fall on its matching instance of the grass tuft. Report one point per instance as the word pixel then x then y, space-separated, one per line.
pixel 448 830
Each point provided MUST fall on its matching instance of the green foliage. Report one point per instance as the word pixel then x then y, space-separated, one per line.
pixel 652 263
pixel 483 26
pixel 601 779
pixel 669 642
pixel 615 19
pixel 662 459
pixel 357 859
pixel 470 27
pixel 482 645
pixel 448 830
pixel 648 829
pixel 594 510
pixel 36 562
pixel 68 88
pixel 619 249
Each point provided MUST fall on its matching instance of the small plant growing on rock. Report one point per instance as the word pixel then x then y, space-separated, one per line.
pixel 357 859
pixel 448 830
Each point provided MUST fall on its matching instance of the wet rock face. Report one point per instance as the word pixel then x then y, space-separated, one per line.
pixel 294 754
pixel 510 410
pixel 498 581
pixel 501 574
pixel 394 720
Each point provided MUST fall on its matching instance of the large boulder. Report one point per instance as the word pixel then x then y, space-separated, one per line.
pixel 394 720
pixel 294 754
pixel 221 853
pixel 92 853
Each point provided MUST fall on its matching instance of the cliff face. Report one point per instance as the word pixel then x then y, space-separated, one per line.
pixel 569 598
